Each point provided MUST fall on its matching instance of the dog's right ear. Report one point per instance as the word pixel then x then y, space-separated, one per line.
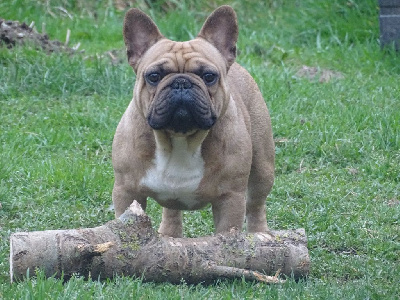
pixel 140 33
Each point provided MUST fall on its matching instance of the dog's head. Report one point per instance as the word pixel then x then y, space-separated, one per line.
pixel 181 86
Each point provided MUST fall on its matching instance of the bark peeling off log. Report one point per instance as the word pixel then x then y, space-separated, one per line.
pixel 129 246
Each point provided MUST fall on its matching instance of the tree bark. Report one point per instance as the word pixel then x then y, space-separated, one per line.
pixel 129 246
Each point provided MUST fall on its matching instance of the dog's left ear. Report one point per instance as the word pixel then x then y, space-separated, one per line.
pixel 221 30
pixel 140 33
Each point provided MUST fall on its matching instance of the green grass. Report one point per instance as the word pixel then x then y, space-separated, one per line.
pixel 338 143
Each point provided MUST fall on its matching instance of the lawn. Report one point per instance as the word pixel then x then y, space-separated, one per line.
pixel 334 99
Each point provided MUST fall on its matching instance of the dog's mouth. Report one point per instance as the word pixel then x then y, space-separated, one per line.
pixel 182 107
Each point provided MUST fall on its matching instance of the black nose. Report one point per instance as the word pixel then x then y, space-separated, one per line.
pixel 181 84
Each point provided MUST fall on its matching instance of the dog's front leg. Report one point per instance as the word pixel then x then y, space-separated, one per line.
pixel 123 196
pixel 229 211
pixel 171 223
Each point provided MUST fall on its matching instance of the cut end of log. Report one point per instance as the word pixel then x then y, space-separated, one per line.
pixel 11 262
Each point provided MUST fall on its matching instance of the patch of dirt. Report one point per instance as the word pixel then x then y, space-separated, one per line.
pixel 13 33
pixel 393 202
pixel 320 75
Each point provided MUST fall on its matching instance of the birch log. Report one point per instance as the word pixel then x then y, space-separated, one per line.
pixel 129 246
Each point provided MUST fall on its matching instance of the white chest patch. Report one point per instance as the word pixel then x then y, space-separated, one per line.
pixel 176 175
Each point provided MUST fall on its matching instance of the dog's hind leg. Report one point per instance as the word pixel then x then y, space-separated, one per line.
pixel 260 182
pixel 258 189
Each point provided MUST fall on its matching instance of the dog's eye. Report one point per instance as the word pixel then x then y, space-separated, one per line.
pixel 209 78
pixel 153 78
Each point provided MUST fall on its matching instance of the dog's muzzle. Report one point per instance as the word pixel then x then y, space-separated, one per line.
pixel 181 106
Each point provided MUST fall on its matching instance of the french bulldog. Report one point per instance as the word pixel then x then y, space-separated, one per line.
pixel 197 131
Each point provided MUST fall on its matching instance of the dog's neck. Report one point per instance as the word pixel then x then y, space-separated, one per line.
pixel 166 141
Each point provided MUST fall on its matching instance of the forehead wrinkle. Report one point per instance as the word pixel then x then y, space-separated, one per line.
pixel 184 57
pixel 210 53
pixel 184 54
pixel 192 57
pixel 164 64
pixel 176 51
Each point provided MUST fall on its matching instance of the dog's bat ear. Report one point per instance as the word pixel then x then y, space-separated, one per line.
pixel 140 33
pixel 221 30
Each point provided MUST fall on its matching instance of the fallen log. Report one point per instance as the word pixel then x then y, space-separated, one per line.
pixel 129 246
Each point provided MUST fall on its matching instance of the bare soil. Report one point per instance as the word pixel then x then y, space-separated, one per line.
pixel 14 33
